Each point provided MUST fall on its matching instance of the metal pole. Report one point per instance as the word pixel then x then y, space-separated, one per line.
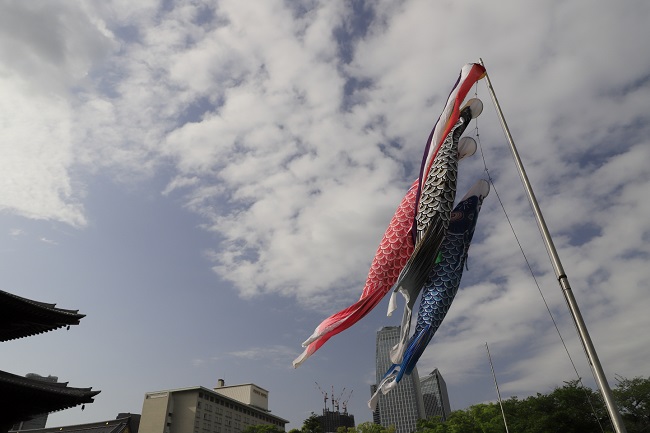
pixel 496 385
pixel 587 344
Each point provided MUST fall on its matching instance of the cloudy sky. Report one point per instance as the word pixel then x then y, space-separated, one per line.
pixel 207 181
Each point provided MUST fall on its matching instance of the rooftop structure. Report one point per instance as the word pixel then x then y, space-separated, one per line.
pixel 248 393
pixel 201 410
pixel 25 398
pixel 124 423
pixel 38 421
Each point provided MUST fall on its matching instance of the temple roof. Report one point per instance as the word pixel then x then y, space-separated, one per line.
pixel 22 317
pixel 30 397
pixel 120 425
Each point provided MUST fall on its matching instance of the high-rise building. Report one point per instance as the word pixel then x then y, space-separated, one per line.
pixel 434 395
pixel 375 413
pixel 330 421
pixel 224 409
pixel 403 405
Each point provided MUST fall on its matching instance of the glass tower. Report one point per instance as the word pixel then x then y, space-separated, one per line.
pixel 434 395
pixel 403 405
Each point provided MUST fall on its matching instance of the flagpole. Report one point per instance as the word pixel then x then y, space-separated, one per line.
pixel 587 344
pixel 496 385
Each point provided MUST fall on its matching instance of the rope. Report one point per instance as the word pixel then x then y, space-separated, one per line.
pixel 530 269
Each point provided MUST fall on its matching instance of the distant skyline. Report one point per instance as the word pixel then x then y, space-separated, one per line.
pixel 207 181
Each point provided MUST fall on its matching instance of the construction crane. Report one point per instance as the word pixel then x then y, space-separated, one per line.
pixel 324 395
pixel 338 400
pixel 337 403
pixel 344 404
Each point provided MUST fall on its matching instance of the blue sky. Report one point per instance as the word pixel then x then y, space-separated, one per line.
pixel 208 181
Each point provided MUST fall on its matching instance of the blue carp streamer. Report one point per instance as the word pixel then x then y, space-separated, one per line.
pixel 441 286
pixel 435 206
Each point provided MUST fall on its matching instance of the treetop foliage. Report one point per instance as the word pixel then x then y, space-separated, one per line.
pixel 261 428
pixel 571 408
pixel 366 427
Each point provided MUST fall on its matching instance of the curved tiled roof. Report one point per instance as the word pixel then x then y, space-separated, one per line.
pixel 22 317
pixel 120 425
pixel 30 397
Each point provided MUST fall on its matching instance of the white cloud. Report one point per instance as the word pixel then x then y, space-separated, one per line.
pixel 45 50
pixel 197 362
pixel 276 355
pixel 16 232
pixel 36 153
pixel 53 46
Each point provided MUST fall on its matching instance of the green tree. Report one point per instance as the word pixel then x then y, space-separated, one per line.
pixel 462 422
pixel 431 425
pixel 572 408
pixel 567 409
pixel 480 418
pixel 487 417
pixel 261 428
pixel 366 427
pixel 312 424
pixel 633 399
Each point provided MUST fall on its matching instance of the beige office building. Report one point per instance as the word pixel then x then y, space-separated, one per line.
pixel 225 409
